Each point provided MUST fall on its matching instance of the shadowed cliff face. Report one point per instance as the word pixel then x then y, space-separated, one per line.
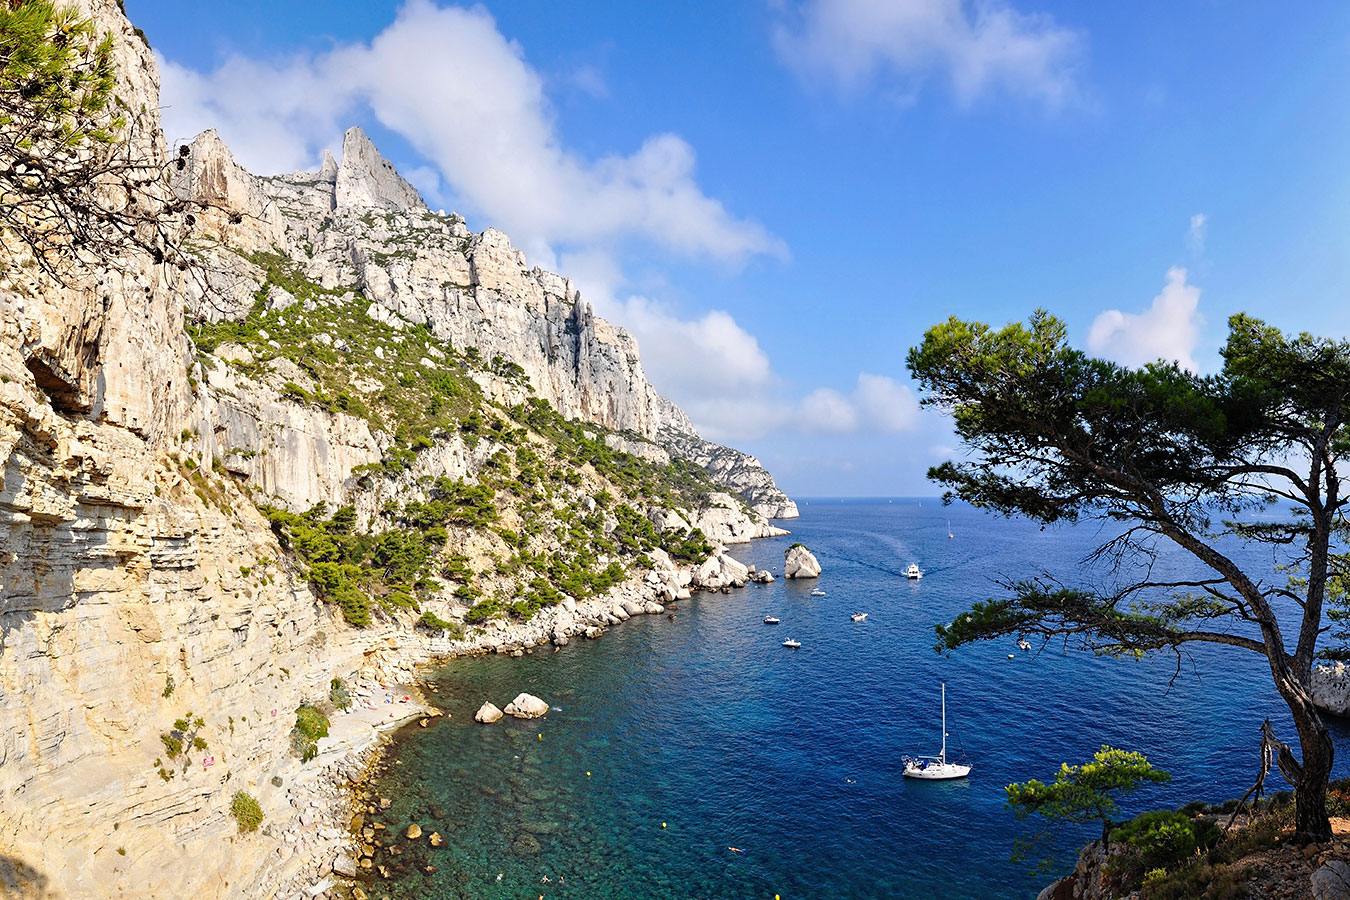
pixel 21 881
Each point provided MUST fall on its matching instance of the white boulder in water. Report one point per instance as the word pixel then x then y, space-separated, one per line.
pixel 799 562
pixel 526 706
pixel 487 713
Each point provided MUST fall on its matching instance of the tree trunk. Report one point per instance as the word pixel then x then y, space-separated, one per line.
pixel 1311 822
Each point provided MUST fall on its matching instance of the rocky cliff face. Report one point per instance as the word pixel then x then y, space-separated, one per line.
pixel 139 581
pixel 124 570
pixel 365 228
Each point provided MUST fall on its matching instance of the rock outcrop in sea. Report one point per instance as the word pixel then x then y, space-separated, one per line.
pixel 526 706
pixel 799 562
pixel 349 436
pixel 487 713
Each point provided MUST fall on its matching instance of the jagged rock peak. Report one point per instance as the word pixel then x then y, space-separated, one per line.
pixel 329 170
pixel 208 173
pixel 368 180
pixel 230 196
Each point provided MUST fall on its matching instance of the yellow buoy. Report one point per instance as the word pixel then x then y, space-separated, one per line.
pixel 541 735
pixel 663 824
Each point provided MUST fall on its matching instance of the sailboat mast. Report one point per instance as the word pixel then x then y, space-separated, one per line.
pixel 943 755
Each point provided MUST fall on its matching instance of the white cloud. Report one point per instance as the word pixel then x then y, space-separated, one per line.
pixel 1169 329
pixel 980 47
pixel 465 98
pixel 1195 235
pixel 589 80
pixel 884 404
pixel 708 355
pixel 826 410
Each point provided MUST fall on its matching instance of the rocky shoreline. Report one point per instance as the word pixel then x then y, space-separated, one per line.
pixel 325 847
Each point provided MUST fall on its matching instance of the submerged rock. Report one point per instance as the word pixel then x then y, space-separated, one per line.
pixel 799 562
pixel 526 706
pixel 525 845
pixel 487 713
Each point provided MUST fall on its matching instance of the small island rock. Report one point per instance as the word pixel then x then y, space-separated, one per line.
pixel 414 831
pixel 800 562
pixel 526 706
pixel 487 713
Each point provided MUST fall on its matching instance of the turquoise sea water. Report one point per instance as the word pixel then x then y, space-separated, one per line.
pixel 673 741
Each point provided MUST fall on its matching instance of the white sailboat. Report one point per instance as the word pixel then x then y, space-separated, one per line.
pixel 935 768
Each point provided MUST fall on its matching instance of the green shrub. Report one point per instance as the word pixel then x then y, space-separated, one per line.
pixel 1161 839
pixel 246 811
pixel 436 623
pixel 338 694
pixel 310 725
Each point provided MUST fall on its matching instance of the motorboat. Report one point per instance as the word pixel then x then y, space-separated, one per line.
pixel 913 573
pixel 935 768
pixel 817 593
pixel 791 644
pixel 1024 644
pixel 858 617
pixel 770 620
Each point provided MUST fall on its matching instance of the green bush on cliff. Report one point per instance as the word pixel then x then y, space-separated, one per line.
pixel 691 547
pixel 1161 839
pixel 310 725
pixel 246 811
pixel 433 622
pixel 339 695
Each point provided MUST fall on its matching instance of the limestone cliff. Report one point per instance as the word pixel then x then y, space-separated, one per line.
pixel 139 579
pixel 365 228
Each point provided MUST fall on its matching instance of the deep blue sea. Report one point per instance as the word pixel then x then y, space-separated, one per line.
pixel 673 741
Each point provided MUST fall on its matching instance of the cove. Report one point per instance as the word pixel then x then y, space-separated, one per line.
pixel 672 741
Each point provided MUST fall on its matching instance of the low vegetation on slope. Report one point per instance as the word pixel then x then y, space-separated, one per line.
pixel 552 511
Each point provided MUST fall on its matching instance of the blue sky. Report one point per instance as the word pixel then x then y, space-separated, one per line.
pixel 778 196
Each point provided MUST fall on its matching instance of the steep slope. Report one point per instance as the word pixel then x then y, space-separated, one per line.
pixel 358 225
pixel 191 520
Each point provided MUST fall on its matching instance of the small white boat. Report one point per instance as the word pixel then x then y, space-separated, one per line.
pixel 791 644
pixel 949 530
pixel 935 768
pixel 770 620
pixel 1024 644
pixel 858 617
pixel 913 573
pixel 817 593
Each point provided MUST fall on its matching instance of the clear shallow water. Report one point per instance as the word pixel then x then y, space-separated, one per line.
pixel 708 725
